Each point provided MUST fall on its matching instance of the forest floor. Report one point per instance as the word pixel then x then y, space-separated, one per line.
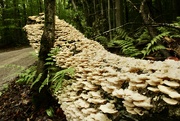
pixel 16 99
pixel 16 105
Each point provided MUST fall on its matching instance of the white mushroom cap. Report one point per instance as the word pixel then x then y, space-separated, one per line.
pixel 130 110
pixel 139 111
pixel 138 97
pixel 153 89
pixel 101 117
pixel 96 100
pixel 128 104
pixel 94 94
pixel 89 111
pixel 144 104
pixel 174 94
pixel 84 96
pixel 110 69
pixel 171 83
pixel 118 93
pixel 81 103
pixel 167 90
pixel 142 85
pixel 170 101
pixel 114 80
pixel 108 108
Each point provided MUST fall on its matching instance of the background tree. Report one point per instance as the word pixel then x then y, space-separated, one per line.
pixel 93 18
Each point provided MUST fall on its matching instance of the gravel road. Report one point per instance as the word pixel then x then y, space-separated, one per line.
pixel 11 61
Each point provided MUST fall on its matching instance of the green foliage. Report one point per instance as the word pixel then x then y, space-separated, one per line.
pixel 142 46
pixel 102 40
pixel 120 34
pixel 27 76
pixel 50 112
pixel 126 43
pixel 153 45
pixel 61 76
pixel 55 76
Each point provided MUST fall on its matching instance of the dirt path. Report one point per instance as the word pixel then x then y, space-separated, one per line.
pixel 10 63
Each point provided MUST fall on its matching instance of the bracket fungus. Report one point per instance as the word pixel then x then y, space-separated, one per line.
pixel 102 79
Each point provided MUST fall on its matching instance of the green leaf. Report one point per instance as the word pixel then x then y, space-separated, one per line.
pixel 37 79
pixel 50 112
pixel 45 82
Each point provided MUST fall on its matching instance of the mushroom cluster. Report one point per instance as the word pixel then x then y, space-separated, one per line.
pixel 102 78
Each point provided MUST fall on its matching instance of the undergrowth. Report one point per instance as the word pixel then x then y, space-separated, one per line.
pixel 55 77
pixel 139 44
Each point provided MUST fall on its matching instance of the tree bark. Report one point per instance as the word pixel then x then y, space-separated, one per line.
pixel 109 18
pixel 47 42
pixel 144 10
pixel 119 12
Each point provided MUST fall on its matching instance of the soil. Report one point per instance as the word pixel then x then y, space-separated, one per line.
pixel 16 105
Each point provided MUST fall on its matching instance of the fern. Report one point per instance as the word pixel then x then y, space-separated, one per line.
pixel 102 39
pixel 45 82
pixel 127 47
pixel 121 34
pixel 27 76
pixel 126 44
pixel 36 80
pixel 153 45
pixel 59 77
pixel 55 76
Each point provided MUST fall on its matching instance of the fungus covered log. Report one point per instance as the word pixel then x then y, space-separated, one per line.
pixel 106 86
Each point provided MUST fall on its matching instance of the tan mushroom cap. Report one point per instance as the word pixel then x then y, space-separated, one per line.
pixel 138 97
pixel 108 108
pixel 144 104
pixel 128 104
pixel 81 103
pixel 170 101
pixel 139 111
pixel 130 110
pixel 174 94
pixel 114 80
pixel 101 117
pixel 171 83
pixel 89 110
pixel 153 89
pixel 94 94
pixel 118 93
pixel 96 100
pixel 167 90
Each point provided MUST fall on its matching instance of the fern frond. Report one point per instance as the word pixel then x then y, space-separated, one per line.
pixel 127 47
pixel 37 80
pixel 121 34
pixel 157 47
pixel 45 82
pixel 102 39
pixel 153 45
pixel 57 80
pixel 175 36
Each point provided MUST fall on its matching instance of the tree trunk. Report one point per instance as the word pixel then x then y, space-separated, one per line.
pixel 40 6
pixel 119 12
pixel 144 10
pixel 43 98
pixel 102 8
pixel 24 12
pixel 109 18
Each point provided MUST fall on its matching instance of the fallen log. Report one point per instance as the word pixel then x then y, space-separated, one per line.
pixel 106 86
